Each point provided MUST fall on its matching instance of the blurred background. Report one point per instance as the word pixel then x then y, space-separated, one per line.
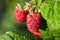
pixel 7 20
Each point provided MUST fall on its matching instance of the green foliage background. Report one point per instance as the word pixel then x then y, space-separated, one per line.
pixel 50 10
pixel 7 20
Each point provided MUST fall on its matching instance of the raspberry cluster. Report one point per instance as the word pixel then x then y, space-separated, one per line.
pixel 33 18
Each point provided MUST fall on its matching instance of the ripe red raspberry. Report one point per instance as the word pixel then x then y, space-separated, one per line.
pixel 34 22
pixel 20 14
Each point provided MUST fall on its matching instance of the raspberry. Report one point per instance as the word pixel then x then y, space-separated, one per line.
pixel 20 14
pixel 34 22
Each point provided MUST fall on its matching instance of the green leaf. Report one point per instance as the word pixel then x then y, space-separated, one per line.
pixel 51 13
pixel 14 36
pixel 37 3
pixel 34 1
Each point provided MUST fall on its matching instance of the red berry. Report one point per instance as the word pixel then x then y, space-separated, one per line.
pixel 37 33
pixel 34 22
pixel 20 15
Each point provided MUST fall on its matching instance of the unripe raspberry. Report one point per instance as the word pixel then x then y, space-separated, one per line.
pixel 34 22
pixel 20 14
